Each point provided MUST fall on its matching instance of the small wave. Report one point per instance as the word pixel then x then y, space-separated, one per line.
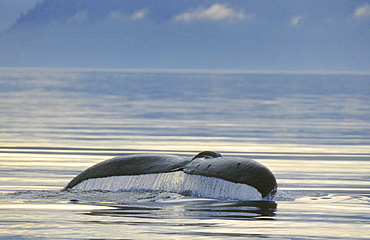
pixel 292 195
pixel 96 196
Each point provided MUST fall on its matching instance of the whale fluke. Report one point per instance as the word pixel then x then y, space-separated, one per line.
pixel 195 176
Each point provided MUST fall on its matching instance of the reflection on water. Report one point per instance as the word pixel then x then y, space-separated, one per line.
pixel 311 130
pixel 154 204
pixel 193 208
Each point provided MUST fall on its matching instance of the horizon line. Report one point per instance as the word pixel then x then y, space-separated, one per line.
pixel 198 71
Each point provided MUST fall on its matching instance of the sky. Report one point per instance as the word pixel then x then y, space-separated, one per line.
pixel 299 35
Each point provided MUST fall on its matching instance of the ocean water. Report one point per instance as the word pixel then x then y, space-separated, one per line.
pixel 311 129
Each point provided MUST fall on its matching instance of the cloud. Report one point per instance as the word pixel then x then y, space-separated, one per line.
pixel 363 11
pixel 140 14
pixel 215 12
pixel 80 16
pixel 114 15
pixel 294 21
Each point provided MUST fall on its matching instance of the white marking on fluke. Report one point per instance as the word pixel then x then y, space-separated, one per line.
pixel 176 182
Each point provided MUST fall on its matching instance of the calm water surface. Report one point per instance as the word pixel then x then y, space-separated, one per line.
pixel 311 130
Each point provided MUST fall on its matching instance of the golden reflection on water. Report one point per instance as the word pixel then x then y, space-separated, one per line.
pixel 320 164
pixel 185 144
pixel 52 207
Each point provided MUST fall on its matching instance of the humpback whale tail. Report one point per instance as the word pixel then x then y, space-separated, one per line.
pixel 208 174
